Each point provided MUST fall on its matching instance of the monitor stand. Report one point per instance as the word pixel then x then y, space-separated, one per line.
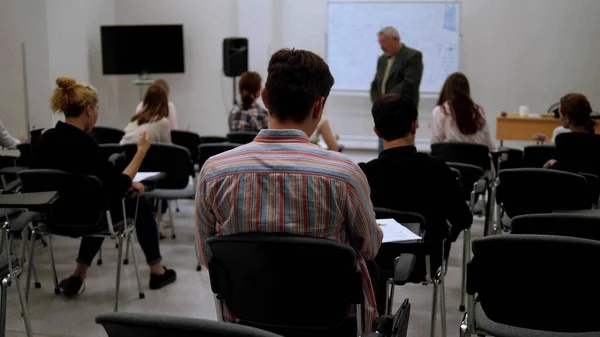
pixel 142 81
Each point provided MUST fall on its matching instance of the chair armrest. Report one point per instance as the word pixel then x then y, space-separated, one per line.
pixel 480 186
pixel 37 201
pixel 405 265
pixel 18 224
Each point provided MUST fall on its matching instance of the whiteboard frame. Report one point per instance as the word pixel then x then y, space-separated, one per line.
pixel 425 94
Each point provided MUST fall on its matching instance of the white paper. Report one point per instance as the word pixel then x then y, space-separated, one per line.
pixel 144 175
pixel 395 232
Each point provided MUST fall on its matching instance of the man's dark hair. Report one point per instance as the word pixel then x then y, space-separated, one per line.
pixel 393 116
pixel 296 79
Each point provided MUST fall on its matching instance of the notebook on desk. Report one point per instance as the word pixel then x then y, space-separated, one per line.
pixel 140 176
pixel 395 232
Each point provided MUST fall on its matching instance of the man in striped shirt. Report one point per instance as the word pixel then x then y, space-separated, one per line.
pixel 282 183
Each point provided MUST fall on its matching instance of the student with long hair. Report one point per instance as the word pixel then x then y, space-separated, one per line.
pixel 248 115
pixel 457 118
pixel 68 147
pixel 577 150
pixel 172 112
pixel 152 119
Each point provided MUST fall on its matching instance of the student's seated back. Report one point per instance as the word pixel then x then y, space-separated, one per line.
pixel 248 115
pixel 152 119
pixel 405 180
pixel 457 118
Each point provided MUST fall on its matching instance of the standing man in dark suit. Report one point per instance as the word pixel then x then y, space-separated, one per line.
pixel 399 69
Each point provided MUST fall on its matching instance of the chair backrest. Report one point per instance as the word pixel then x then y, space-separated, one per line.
pixel 25 155
pixel 130 324
pixel 593 184
pixel 173 160
pixel 466 153
pixel 116 155
pixel 537 282
pixel 106 135
pixel 509 158
pixel 469 175
pixel 212 139
pixel 530 190
pixel 538 155
pixel 187 139
pixel 8 161
pixel 561 224
pixel 208 150
pixel 81 200
pixel 278 280
pixel 241 137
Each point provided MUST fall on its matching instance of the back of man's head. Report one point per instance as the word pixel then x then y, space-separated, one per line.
pixel 394 116
pixel 296 80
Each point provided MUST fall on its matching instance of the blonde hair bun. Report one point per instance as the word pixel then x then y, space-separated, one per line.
pixel 66 83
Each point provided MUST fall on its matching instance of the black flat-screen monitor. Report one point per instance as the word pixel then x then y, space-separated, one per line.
pixel 152 49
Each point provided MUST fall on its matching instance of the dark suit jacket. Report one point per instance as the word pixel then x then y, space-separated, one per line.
pixel 405 75
pixel 405 180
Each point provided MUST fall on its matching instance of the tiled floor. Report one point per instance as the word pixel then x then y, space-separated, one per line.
pixel 190 296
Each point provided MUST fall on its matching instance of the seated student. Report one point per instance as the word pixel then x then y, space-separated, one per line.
pixel 457 118
pixel 578 150
pixel 406 180
pixel 152 119
pixel 7 140
pixel 68 147
pixel 248 116
pixel 282 159
pixel 172 112
pixel 559 130
pixel 324 130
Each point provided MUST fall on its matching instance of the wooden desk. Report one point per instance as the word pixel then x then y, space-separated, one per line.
pixel 515 127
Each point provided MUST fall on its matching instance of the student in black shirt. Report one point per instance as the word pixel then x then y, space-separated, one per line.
pixel 69 148
pixel 405 180
pixel 579 150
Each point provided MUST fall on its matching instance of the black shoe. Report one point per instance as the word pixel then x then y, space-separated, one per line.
pixel 70 286
pixel 159 281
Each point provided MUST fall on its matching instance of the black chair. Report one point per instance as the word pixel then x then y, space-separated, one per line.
pixel 466 153
pixel 212 139
pixel 532 285
pixel 85 195
pixel 531 190
pixel 535 156
pixel 584 226
pixel 116 155
pixel 189 140
pixel 106 135
pixel 208 150
pixel 507 158
pixel 130 324
pixel 264 281
pixel 175 162
pixel 241 137
pixel 412 262
pixel 593 184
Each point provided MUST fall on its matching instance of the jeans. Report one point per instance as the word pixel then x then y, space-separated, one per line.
pixel 145 227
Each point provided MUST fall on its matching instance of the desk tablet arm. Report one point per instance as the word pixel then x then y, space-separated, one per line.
pixel 404 267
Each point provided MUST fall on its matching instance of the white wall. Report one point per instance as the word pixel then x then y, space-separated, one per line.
pixel 202 96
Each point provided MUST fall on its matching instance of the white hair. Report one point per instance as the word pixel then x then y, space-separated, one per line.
pixel 389 31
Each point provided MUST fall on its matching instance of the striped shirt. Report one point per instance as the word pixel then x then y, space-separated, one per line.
pixel 318 193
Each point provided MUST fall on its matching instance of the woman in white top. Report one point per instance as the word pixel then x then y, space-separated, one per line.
pixel 457 118
pixel 172 113
pixel 324 130
pixel 152 119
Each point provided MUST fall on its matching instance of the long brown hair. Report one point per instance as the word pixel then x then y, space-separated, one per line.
pixel 154 107
pixel 464 111
pixel 71 97
pixel 249 86
pixel 578 109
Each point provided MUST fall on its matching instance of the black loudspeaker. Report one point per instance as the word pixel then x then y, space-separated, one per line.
pixel 235 56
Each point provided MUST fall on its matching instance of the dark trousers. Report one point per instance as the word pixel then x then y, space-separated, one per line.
pixel 145 226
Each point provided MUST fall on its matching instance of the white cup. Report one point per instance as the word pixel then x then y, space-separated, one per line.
pixel 523 111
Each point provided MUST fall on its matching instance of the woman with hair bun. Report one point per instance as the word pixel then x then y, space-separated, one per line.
pixel 248 116
pixel 68 147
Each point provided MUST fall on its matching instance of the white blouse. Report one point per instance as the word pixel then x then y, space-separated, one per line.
pixel 158 132
pixel 444 129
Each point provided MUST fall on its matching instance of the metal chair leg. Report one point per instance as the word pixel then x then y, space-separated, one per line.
pixel 390 291
pixel 3 303
pixel 135 264
pixel 119 263
pixel 31 262
pixel 177 206
pixel 171 219
pixel 24 308
pixel 55 276
pixel 466 258
pixel 434 308
pixel 126 260
pixel 99 261
pixel 443 304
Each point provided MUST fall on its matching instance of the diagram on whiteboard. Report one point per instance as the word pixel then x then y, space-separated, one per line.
pixel 352 47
